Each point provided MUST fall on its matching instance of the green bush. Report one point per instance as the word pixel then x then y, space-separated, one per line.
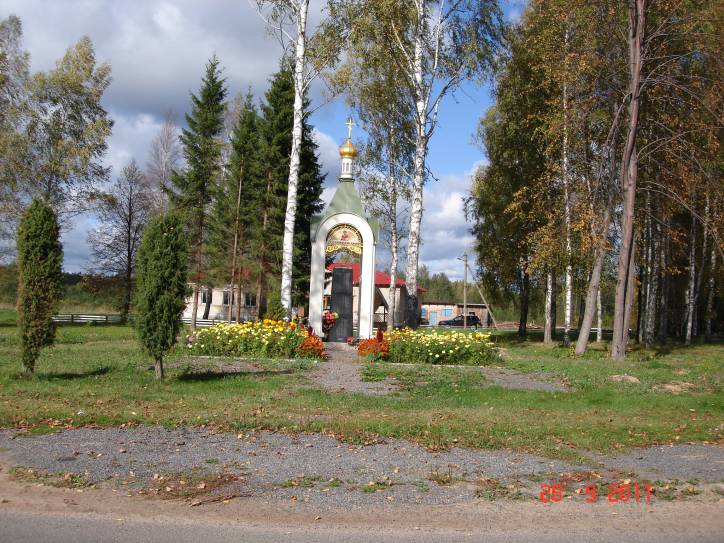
pixel 40 279
pixel 161 284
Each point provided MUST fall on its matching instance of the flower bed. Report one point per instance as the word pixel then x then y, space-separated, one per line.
pixel 267 338
pixel 374 349
pixel 423 347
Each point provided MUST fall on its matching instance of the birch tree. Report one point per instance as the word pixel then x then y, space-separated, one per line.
pixel 385 186
pixel 14 74
pixel 435 45
pixel 371 84
pixel 164 158
pixel 287 19
pixel 67 131
pixel 123 212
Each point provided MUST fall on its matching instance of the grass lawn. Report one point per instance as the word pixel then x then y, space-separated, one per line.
pixel 97 375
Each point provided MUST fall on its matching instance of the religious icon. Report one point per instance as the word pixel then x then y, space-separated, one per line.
pixel 344 238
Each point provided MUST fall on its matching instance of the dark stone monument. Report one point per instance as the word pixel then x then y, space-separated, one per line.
pixel 341 303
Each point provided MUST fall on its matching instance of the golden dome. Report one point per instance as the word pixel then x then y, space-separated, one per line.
pixel 348 150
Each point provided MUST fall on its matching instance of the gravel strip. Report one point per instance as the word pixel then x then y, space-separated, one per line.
pixel 682 462
pixel 324 471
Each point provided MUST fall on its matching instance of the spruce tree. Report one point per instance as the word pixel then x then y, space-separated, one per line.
pixel 191 191
pixel 161 277
pixel 40 279
pixel 235 200
pixel 309 203
pixel 268 230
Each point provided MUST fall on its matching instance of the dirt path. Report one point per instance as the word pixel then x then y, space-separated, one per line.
pixel 341 373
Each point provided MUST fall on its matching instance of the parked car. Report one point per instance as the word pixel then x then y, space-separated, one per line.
pixel 473 321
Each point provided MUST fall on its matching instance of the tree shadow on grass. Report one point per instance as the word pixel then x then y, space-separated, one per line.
pixel 71 375
pixel 213 375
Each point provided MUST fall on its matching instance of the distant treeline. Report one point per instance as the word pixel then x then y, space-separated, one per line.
pixel 83 292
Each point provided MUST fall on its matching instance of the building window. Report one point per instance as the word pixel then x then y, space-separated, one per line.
pixel 424 311
pixel 250 300
pixel 205 296
pixel 226 298
pixel 447 312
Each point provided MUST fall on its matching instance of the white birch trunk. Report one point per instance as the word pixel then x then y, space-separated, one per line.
pixel 567 214
pixel 234 251
pixel 413 243
pixel 690 288
pixel 710 296
pixel 548 329
pixel 393 246
pixel 301 9
pixel 700 275
pixel 393 280
pixel 599 316
pixel 194 306
pixel 569 249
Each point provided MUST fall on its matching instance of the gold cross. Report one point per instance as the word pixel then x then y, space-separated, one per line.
pixel 349 124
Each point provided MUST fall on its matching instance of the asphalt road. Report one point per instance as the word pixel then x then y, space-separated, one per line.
pixel 33 527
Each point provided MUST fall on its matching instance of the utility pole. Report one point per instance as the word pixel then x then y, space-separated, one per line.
pixel 482 297
pixel 464 258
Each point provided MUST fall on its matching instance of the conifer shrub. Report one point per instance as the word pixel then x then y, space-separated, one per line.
pixel 161 286
pixel 40 279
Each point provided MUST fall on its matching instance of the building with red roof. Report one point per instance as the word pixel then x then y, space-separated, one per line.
pixel 382 293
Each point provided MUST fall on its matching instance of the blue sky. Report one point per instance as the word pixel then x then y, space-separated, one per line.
pixel 157 50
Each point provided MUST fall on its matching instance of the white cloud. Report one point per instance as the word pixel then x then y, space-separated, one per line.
pixel 328 152
pixel 168 18
pixel 445 232
pixel 157 50
pixel 131 138
pixel 76 251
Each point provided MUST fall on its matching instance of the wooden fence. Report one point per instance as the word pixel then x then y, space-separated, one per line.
pixel 82 319
pixel 202 323
pixel 73 318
